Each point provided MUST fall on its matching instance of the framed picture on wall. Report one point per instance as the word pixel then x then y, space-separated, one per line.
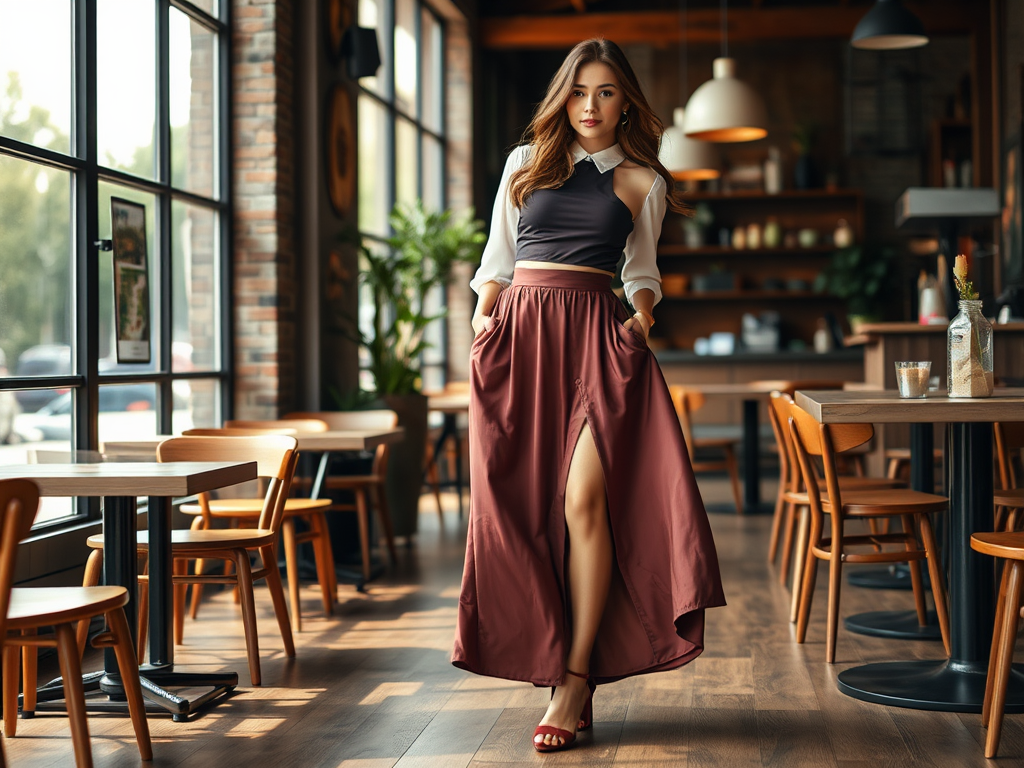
pixel 131 281
pixel 1012 244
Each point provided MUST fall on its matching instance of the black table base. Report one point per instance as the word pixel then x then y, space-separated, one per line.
pixel 893 577
pixel 942 686
pixel 895 625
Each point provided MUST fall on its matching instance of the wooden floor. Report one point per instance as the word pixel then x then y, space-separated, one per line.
pixel 372 687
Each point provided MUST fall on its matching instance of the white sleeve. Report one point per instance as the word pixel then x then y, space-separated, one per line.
pixel 499 257
pixel 641 267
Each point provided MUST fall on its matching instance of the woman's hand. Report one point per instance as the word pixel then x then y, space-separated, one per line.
pixel 481 323
pixel 638 322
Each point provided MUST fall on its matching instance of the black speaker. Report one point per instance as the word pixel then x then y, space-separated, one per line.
pixel 360 50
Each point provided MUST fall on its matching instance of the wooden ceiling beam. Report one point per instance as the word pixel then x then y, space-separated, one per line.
pixel 662 28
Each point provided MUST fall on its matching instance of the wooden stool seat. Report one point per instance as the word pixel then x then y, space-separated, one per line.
pixel 185 541
pixel 235 508
pixel 1010 547
pixel 61 605
pixel 338 482
pixel 887 503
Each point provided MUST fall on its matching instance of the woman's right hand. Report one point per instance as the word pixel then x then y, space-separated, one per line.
pixel 481 323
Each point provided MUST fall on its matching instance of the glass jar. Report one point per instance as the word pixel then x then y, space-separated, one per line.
pixel 969 353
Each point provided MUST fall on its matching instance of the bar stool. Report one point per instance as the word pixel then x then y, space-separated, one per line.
pixel 1010 547
pixel 1009 500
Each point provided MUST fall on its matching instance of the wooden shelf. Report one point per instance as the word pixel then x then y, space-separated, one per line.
pixel 673 249
pixel 755 295
pixel 747 196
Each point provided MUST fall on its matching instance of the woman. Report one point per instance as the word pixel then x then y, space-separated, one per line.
pixel 589 555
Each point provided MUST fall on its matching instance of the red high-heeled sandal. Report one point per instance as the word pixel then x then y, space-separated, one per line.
pixel 568 737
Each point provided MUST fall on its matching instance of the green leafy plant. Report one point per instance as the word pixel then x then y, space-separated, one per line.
pixel 424 248
pixel 862 276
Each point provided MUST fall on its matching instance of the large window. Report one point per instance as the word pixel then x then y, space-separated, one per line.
pixel 402 140
pixel 98 100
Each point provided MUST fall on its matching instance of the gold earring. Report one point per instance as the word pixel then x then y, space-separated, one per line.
pixel 625 118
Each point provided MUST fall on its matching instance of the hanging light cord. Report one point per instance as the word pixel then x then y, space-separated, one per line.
pixel 725 35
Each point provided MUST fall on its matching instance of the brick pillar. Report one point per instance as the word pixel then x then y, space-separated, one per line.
pixel 263 165
pixel 459 123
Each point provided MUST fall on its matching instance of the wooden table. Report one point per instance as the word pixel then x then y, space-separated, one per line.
pixel 450 404
pixel 956 684
pixel 120 484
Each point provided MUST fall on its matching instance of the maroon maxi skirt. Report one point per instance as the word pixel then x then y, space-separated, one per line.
pixel 557 355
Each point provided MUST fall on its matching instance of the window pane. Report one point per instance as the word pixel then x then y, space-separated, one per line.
pixel 406 162
pixel 36 297
pixel 430 70
pixel 406 59
pixel 433 304
pixel 366 314
pixel 193 123
pixel 35 72
pixel 433 174
pixel 371 15
pixel 126 85
pixel 373 168
pixel 210 6
pixel 195 268
pixel 47 420
pixel 108 329
pixel 196 404
pixel 127 411
pixel 43 448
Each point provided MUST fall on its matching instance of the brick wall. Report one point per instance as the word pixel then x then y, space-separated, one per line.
pixel 263 163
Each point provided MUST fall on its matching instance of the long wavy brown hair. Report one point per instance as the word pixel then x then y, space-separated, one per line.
pixel 551 134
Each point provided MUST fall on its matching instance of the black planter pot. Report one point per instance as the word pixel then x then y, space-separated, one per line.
pixel 405 461
pixel 804 173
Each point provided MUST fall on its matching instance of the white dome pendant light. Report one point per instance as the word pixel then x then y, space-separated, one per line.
pixel 685 158
pixel 725 109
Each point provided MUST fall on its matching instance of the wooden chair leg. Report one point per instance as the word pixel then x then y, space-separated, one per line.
pixel 1004 662
pixel 788 531
pixel 269 556
pixel 364 530
pixel 806 594
pixel 835 583
pixel 993 656
pixel 433 478
pixel 30 674
pixel 938 579
pixel 800 561
pixel 128 663
pixel 916 582
pixel 93 570
pixel 291 564
pixel 322 558
pixel 74 693
pixel 12 676
pixel 777 520
pixel 197 590
pixel 380 503
pixel 143 617
pixel 179 568
pixel 734 476
pixel 248 601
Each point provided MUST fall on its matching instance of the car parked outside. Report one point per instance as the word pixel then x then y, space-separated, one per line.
pixel 42 360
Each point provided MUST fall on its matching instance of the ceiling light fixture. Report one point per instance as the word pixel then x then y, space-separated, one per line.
pixel 888 26
pixel 725 109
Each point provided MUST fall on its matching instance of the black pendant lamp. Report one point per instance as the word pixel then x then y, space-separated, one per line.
pixel 888 26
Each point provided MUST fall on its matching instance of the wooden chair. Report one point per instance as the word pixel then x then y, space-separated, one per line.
pixel 276 456
pixel 246 512
pixel 1009 499
pixel 1010 547
pixel 687 401
pixel 28 610
pixel 827 440
pixel 793 497
pixel 362 486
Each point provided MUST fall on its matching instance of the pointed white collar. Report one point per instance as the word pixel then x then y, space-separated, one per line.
pixel 605 160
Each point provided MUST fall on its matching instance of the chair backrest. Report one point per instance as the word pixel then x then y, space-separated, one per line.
pixel 296 425
pixel 275 457
pixel 456 387
pixel 789 386
pixel 778 414
pixel 686 401
pixel 381 418
pixel 825 440
pixel 1009 441
pixel 19 501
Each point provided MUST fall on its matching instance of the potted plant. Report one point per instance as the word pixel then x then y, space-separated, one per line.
pixel 862 277
pixel 425 246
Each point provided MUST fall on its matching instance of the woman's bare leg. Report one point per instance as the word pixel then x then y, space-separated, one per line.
pixel 590 571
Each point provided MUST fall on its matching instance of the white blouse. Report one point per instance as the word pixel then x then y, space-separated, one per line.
pixel 640 269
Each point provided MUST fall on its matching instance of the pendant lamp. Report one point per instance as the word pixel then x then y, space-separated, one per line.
pixel 725 109
pixel 685 158
pixel 888 26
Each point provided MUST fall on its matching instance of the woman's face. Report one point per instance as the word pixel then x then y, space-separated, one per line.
pixel 595 104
